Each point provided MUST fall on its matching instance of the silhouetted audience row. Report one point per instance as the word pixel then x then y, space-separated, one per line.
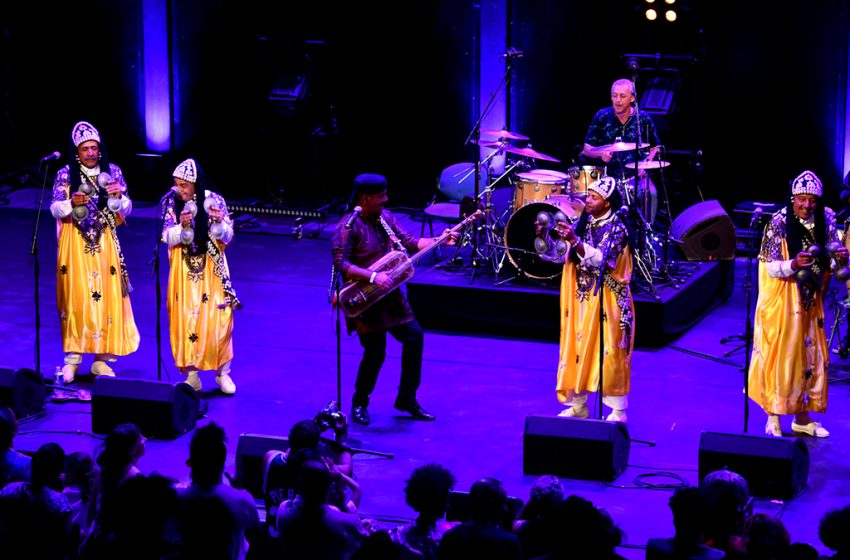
pixel 62 506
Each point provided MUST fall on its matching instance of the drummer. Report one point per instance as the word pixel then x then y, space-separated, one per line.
pixel 614 125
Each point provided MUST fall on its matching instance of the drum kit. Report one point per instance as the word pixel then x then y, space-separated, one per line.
pixel 547 195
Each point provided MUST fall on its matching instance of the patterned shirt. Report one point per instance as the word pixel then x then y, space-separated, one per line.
pixel 606 128
pixel 361 245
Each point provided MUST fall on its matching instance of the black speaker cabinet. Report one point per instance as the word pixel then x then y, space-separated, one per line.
pixel 575 447
pixel 23 391
pixel 249 460
pixel 160 409
pixel 773 467
pixel 706 232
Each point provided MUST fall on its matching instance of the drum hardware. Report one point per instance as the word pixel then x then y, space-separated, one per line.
pixel 581 176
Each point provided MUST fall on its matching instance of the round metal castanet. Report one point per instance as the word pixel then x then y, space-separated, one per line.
pixel 114 204
pixel 187 236
pixel 104 179
pixel 85 188
pixel 833 247
pixel 80 213
pixel 191 207
pixel 842 274
pixel 216 230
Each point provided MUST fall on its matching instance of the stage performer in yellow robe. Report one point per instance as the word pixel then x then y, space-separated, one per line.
pixel 600 242
pixel 92 287
pixel 201 297
pixel 790 358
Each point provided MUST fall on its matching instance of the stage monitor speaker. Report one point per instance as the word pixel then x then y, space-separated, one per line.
pixel 706 232
pixel 160 409
pixel 23 391
pixel 773 467
pixel 249 460
pixel 575 447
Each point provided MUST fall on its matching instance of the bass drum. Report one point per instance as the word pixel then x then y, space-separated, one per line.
pixel 527 256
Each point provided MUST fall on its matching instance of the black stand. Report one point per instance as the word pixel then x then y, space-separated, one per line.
pixel 36 268
pixel 159 225
pixel 474 137
pixel 748 324
pixel 333 297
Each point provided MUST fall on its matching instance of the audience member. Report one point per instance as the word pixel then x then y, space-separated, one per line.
pixel 14 466
pixel 689 519
pixel 834 532
pixel 118 460
pixel 142 528
pixel 80 477
pixel 198 501
pixel 35 518
pixel 427 492
pixel 535 525
pixel 585 532
pixel 728 504
pixel 378 546
pixel 482 536
pixel 281 468
pixel 765 537
pixel 308 527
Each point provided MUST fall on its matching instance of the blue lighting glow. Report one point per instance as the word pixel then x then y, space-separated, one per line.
pixel 157 110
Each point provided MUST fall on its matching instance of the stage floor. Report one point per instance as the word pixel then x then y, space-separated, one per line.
pixel 481 388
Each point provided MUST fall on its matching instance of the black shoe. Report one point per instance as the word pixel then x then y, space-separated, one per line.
pixel 415 410
pixel 360 415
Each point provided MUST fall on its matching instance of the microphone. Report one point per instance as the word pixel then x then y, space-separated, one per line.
pixel 356 212
pixel 512 54
pixel 51 157
pixel 171 192
pixel 633 64
pixel 756 216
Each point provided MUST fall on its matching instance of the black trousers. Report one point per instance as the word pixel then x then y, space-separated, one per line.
pixel 374 344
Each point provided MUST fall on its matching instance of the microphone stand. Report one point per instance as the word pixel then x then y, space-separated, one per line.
pixel 474 137
pixel 748 325
pixel 158 225
pixel 333 297
pixel 598 291
pixel 36 269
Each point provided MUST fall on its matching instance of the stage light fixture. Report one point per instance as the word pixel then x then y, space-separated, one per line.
pixel 651 15
pixel 670 15
pixel 669 1
pixel 650 1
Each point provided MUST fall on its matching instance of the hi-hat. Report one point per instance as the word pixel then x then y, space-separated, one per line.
pixel 504 134
pixel 528 152
pixel 622 147
pixel 654 164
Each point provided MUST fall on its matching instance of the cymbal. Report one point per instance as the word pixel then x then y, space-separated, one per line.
pixel 528 152
pixel 488 144
pixel 654 164
pixel 504 134
pixel 622 147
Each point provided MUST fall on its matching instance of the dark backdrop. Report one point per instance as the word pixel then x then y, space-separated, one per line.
pixel 390 88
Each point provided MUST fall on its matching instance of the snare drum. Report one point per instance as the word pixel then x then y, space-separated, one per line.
pixel 581 176
pixel 536 186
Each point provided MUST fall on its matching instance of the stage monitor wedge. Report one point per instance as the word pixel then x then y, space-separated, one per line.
pixel 575 447
pixel 706 232
pixel 773 467
pixel 23 391
pixel 159 408
pixel 249 459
